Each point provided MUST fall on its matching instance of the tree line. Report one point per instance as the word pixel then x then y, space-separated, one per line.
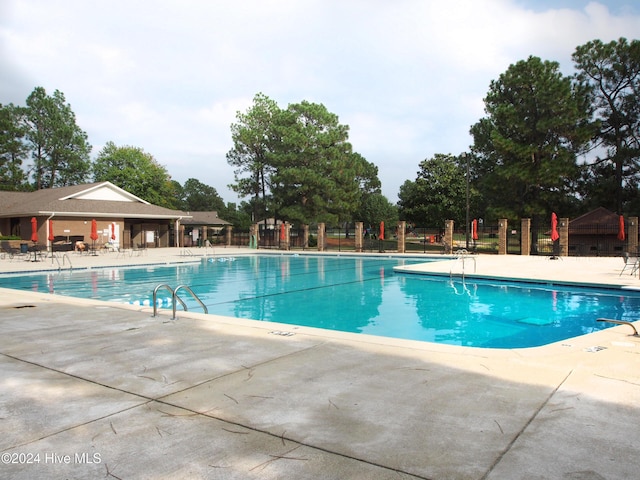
pixel 524 158
pixel 297 164
pixel 45 132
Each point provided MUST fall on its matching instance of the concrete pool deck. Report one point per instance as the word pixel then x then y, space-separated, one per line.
pixel 92 389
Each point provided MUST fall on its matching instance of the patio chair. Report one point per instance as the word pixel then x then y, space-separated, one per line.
pixel 7 250
pixel 632 262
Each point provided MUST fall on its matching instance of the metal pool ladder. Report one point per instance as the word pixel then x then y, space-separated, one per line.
pixel 175 298
pixel 65 257
pixel 462 255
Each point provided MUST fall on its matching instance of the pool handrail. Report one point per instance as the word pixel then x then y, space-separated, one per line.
pixel 621 322
pixel 64 257
pixel 173 297
pixel 461 255
pixel 188 289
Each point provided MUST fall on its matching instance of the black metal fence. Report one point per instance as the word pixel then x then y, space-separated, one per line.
pixel 424 239
pixel 591 240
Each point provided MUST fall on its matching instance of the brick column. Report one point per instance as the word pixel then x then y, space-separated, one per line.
pixel 525 236
pixel 359 236
pixel 503 225
pixel 448 236
pixel 284 244
pixel 228 235
pixel 321 233
pixel 563 231
pixel 402 227
pixel 305 237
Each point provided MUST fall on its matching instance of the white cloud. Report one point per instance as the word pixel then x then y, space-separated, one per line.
pixel 408 76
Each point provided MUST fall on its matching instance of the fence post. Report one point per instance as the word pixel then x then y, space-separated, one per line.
pixel 228 234
pixel 563 231
pixel 448 236
pixel 503 225
pixel 287 238
pixel 359 236
pixel 321 236
pixel 632 235
pixel 402 226
pixel 254 237
pixel 525 236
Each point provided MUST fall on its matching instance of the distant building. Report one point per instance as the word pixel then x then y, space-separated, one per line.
pixel 122 218
pixel 202 226
pixel 595 233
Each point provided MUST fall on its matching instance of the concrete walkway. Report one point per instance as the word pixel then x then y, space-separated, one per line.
pixel 96 390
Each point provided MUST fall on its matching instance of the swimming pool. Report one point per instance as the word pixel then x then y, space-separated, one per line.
pixel 357 294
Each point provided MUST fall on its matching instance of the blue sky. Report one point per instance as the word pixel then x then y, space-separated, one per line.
pixel 407 76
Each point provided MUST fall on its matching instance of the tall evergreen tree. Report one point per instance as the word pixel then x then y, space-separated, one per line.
pixel 437 194
pixel 60 149
pixel 297 164
pixel 537 123
pixel 13 150
pixel 612 70
pixel 314 166
pixel 252 137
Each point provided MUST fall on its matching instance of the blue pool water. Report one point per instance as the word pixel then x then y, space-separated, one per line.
pixel 356 294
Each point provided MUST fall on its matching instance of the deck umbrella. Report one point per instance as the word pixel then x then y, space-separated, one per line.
pixel 621 234
pixel 113 231
pixel 382 230
pixel 34 230
pixel 474 229
pixel 282 232
pixel 94 230
pixel 554 227
pixel 554 235
pixel 94 233
pixel 51 238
